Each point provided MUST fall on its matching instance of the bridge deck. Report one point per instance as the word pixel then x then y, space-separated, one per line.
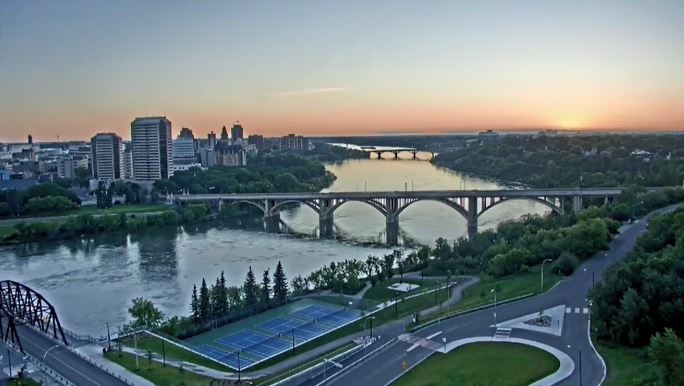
pixel 425 194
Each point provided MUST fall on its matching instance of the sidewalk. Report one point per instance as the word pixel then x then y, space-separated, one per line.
pixel 456 294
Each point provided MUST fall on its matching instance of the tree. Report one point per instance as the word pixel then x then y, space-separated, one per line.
pixel 145 313
pixel 250 290
pixel 388 264
pixel 204 302
pixel 668 352
pixel 194 305
pixel 280 285
pixel 265 292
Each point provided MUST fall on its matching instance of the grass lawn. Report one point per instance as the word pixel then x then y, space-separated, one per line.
pixel 483 364
pixel 6 231
pixel 157 374
pixel 116 209
pixel 381 293
pixel 172 352
pixel 624 364
pixel 510 287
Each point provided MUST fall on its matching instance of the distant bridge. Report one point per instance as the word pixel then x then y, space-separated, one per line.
pixel 394 150
pixel 470 204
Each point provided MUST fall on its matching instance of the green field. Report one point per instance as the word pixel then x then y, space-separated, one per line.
pixel 381 293
pixel 479 294
pixel 483 364
pixel 172 351
pixel 625 365
pixel 156 373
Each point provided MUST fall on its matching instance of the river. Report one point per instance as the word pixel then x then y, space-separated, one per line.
pixel 91 282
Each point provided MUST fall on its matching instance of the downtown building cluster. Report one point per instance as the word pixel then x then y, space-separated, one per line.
pixel 151 154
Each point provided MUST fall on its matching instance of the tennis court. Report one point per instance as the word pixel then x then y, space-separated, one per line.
pixel 266 338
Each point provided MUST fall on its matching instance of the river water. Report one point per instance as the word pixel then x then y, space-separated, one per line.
pixel 91 282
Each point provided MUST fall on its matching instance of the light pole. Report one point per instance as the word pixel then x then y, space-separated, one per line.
pixel 579 365
pixel 109 338
pixel 370 318
pixel 542 274
pixel 238 360
pixel 494 292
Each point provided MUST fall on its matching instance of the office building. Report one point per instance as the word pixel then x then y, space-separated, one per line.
pixel 211 140
pixel 257 140
pixel 293 142
pixel 152 149
pixel 107 155
pixel 66 167
pixel 237 133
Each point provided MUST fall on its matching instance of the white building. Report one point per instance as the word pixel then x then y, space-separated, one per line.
pixel 107 155
pixel 152 149
pixel 66 167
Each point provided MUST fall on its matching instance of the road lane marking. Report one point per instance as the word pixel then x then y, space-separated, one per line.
pixel 568 310
pixel 64 363
pixel 585 310
pixel 413 347
pixel 577 311
pixel 434 335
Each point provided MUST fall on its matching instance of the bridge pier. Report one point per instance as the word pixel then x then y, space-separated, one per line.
pixel 414 155
pixel 577 203
pixel 272 223
pixel 379 153
pixel 396 155
pixel 325 220
pixel 472 217
pixel 392 231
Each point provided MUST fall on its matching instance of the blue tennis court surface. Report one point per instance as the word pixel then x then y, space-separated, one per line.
pixel 278 335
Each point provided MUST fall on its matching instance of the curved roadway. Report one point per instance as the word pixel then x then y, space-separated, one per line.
pixel 388 364
pixel 63 361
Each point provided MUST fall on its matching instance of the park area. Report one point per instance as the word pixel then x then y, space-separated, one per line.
pixel 245 343
pixel 483 364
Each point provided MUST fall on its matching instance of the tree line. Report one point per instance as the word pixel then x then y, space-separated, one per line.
pixel 640 301
pixel 563 161
pixel 49 197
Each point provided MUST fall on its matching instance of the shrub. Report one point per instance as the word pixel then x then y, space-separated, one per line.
pixel 566 263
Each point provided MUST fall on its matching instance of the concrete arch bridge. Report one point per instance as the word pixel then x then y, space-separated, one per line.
pixel 470 204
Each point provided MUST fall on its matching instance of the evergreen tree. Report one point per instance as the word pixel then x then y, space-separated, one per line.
pixel 204 302
pixel 279 285
pixel 194 305
pixel 215 298
pixel 265 292
pixel 250 290
pixel 223 293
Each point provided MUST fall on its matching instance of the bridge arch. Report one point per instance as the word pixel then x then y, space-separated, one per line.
pixel 276 208
pixel 381 208
pixel 451 204
pixel 250 202
pixel 554 208
pixel 18 301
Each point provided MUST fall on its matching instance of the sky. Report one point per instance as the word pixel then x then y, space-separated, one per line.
pixel 324 67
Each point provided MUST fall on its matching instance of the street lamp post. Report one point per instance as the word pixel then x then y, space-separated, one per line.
pixel 494 292
pixel 238 360
pixel 370 318
pixel 542 273
pixel 109 338
pixel 579 365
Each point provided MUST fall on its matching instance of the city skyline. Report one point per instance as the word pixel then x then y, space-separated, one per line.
pixel 334 68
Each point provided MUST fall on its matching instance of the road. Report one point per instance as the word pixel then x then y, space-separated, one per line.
pixel 387 365
pixel 63 361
